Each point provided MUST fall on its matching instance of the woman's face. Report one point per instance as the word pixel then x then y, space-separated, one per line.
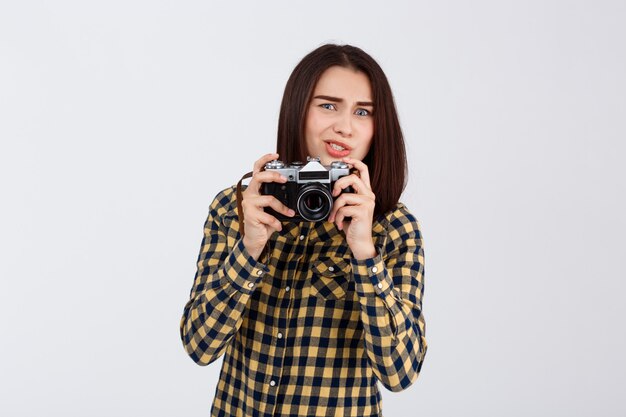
pixel 340 119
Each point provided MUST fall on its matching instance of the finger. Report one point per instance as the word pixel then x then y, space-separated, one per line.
pixel 345 200
pixel 348 211
pixel 261 218
pixel 264 176
pixel 260 163
pixel 353 180
pixel 270 201
pixel 269 176
pixel 362 168
pixel 273 202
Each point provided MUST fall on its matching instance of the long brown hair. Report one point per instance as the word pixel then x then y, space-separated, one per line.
pixel 386 159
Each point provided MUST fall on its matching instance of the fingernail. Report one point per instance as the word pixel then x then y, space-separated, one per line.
pixel 291 212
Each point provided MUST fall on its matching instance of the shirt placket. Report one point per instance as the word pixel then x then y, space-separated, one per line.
pixel 284 311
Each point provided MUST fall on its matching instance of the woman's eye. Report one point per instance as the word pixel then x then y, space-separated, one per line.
pixel 328 106
pixel 362 112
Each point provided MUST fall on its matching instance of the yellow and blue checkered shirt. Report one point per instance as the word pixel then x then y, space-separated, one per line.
pixel 311 330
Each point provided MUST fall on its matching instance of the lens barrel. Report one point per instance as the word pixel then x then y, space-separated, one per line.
pixel 314 202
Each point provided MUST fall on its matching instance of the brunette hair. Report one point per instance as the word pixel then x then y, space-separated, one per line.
pixel 386 159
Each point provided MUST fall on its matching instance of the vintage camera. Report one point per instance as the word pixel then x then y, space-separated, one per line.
pixel 308 190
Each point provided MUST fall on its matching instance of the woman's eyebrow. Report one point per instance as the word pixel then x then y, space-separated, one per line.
pixel 340 100
pixel 330 98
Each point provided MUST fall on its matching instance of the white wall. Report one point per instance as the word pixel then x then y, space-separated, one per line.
pixel 120 120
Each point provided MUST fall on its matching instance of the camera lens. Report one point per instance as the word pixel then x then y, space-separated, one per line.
pixel 314 202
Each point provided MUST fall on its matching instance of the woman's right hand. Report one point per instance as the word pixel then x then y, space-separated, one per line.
pixel 259 225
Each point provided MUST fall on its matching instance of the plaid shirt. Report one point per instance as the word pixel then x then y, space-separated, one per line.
pixel 311 330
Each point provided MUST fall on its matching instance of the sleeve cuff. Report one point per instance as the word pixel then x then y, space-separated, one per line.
pixel 371 278
pixel 243 271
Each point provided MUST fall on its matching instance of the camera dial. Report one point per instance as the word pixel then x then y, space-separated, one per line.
pixel 275 164
pixel 339 165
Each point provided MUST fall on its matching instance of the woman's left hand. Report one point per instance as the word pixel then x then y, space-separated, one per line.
pixel 359 206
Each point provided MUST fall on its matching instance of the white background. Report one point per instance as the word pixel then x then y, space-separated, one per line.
pixel 120 121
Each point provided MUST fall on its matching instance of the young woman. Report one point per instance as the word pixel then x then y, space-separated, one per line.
pixel 311 315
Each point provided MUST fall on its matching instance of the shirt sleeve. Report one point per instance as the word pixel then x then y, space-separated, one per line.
pixel 226 277
pixel 390 288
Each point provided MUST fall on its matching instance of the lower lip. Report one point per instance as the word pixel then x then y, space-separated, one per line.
pixel 335 153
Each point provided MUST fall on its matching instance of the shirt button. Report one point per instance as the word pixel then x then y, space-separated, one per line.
pixel 380 285
pixel 301 237
pixel 279 335
pixel 331 269
pixel 250 284
pixel 272 382
pixel 287 288
pixel 374 269
pixel 259 272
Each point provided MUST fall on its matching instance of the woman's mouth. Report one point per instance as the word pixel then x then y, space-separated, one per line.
pixel 337 150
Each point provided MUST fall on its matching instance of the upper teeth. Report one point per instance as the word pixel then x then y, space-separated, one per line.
pixel 337 147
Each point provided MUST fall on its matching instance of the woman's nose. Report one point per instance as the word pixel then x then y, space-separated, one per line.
pixel 343 125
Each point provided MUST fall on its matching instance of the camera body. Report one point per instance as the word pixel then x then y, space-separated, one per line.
pixel 308 190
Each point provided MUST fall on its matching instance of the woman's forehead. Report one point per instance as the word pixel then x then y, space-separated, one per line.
pixel 346 83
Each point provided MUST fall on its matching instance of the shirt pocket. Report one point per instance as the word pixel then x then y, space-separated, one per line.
pixel 330 278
